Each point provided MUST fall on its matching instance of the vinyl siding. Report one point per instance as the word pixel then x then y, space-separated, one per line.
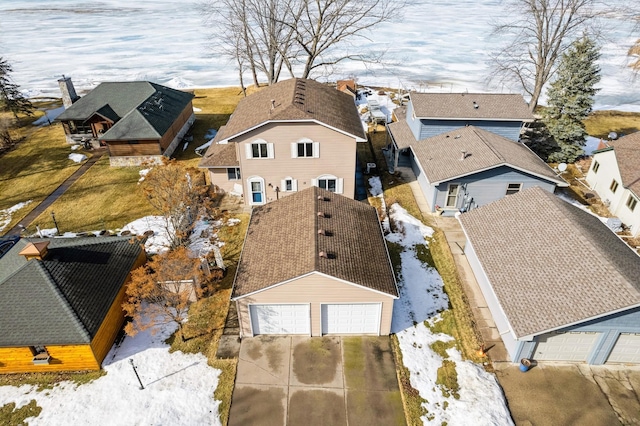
pixel 508 129
pixel 63 358
pixel 219 178
pixel 315 289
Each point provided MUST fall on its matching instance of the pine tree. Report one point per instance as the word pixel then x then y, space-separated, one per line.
pixel 11 99
pixel 570 99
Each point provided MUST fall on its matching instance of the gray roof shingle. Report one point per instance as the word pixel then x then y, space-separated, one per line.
pixel 64 298
pixel 282 243
pixel 456 106
pixel 550 263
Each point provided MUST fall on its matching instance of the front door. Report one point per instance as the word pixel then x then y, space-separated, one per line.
pixel 452 195
pixel 257 195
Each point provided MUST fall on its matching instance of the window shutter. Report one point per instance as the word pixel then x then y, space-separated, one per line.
pixel 247 148
pixel 316 150
pixel 339 184
pixel 283 185
pixel 270 150
pixel 294 185
pixel 314 182
pixel 294 150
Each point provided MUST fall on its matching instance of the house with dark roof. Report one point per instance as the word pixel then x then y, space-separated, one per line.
pixel 61 301
pixel 470 167
pixel 138 121
pixel 290 136
pixel 560 285
pixel 314 263
pixel 615 175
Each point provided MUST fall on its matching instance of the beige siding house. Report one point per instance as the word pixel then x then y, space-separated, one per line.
pixel 293 135
pixel 314 263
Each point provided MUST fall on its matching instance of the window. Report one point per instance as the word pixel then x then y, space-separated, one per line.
pixel 233 173
pixel 259 149
pixel 305 148
pixel 614 186
pixel 289 184
pixel 595 167
pixel 330 183
pixel 512 188
pixel 452 195
pixel 631 202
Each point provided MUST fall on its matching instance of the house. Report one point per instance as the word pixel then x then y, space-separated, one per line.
pixel 432 114
pixel 347 86
pixel 470 167
pixel 314 263
pixel 615 175
pixel 559 284
pixel 285 138
pixel 138 121
pixel 61 301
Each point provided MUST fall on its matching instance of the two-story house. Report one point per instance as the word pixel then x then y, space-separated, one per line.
pixel 615 175
pixel 292 135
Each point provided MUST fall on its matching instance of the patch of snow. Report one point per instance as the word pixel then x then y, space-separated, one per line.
pixel 233 221
pixel 143 174
pixel 75 147
pixel 159 241
pixel 77 158
pixel 178 83
pixel 196 109
pixel 6 214
pixel 375 188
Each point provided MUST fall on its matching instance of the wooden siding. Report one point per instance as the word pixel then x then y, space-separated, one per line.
pixel 126 149
pixel 171 133
pixel 315 289
pixel 63 358
pixel 337 157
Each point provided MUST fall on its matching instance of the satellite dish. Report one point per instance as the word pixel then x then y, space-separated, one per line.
pixel 613 136
pixel 562 167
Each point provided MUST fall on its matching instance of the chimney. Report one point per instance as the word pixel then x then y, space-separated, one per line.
pixel 69 95
pixel 35 250
pixel 463 156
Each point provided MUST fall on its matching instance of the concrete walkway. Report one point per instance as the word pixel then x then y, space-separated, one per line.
pixel 40 208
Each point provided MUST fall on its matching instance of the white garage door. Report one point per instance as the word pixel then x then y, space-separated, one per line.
pixel 627 349
pixel 280 319
pixel 564 346
pixel 357 318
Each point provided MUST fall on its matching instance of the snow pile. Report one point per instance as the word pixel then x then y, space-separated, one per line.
pixel 179 83
pixel 376 190
pixel 5 214
pixel 156 243
pixel 77 158
pixel 422 297
pixel 75 147
pixel 143 174
pixel 178 389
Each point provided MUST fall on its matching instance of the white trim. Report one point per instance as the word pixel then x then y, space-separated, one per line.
pixel 264 123
pixel 378 320
pixel 316 149
pixel 250 190
pixel 267 304
pixel 294 149
pixel 283 184
pixel 339 182
pixel 524 120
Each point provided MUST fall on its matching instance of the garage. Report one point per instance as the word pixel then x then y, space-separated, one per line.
pixel 564 346
pixel 357 318
pixel 626 350
pixel 280 319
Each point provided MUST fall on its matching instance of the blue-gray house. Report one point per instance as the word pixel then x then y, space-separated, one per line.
pixel 469 167
pixel 560 285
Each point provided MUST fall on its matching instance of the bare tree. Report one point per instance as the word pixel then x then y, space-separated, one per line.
pixel 539 35
pixel 634 53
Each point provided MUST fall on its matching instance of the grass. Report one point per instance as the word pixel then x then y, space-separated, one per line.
pixel 600 123
pixel 44 381
pixel 447 378
pixel 441 347
pixel 226 382
pixel 411 399
pixel 9 415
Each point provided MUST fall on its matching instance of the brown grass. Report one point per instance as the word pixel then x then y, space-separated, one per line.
pixel 49 380
pixel 9 415
pixel 600 123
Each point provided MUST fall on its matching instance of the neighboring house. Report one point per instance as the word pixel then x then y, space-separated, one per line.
pixel 314 263
pixel 348 87
pixel 615 175
pixel 61 301
pixel 137 121
pixel 287 137
pixel 560 285
pixel 470 167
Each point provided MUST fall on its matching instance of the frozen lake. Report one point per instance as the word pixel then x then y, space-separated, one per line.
pixel 439 45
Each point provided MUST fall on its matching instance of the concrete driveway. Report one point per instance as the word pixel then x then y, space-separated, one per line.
pixel 289 380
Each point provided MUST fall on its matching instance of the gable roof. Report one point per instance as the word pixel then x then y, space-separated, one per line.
pixel 551 264
pixel 295 99
pixel 220 154
pixel 440 156
pixel 64 298
pixel 283 243
pixel 140 109
pixel 627 151
pixel 457 106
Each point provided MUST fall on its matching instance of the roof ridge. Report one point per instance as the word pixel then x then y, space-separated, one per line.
pixel 488 144
pixel 40 266
pixel 316 260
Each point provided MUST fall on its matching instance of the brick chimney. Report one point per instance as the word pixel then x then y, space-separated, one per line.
pixel 35 250
pixel 69 95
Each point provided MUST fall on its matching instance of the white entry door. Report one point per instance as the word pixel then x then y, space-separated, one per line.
pixel 280 319
pixel 357 318
pixel 572 346
pixel 627 349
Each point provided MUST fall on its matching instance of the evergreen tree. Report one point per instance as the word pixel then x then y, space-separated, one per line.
pixel 570 99
pixel 11 99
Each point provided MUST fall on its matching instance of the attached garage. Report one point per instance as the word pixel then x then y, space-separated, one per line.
pixel 626 349
pixel 280 319
pixel 357 318
pixel 570 346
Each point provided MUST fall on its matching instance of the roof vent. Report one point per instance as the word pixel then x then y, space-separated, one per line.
pixel 322 232
pixel 475 105
pixel 463 156
pixel 323 254
pixel 322 198
pixel 457 137
pixel 323 214
pixel 273 104
pixel 35 250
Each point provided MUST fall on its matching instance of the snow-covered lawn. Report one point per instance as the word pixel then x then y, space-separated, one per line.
pixel 6 214
pixel 178 389
pixel 422 297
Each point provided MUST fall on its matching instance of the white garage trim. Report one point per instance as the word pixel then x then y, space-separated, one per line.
pixel 565 346
pixel 626 349
pixel 280 318
pixel 351 318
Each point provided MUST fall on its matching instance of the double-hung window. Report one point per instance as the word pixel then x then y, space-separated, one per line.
pixel 631 202
pixel 330 183
pixel 614 186
pixel 233 173
pixel 305 148
pixel 259 149
pixel 596 167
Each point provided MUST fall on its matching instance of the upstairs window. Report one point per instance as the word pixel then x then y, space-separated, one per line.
pixel 512 188
pixel 631 202
pixel 259 149
pixel 305 148
pixel 595 167
pixel 614 186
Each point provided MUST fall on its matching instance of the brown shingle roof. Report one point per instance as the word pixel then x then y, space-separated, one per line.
pixel 283 243
pixel 401 134
pixel 220 155
pixel 455 106
pixel 440 156
pixel 296 99
pixel 627 150
pixel 551 264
